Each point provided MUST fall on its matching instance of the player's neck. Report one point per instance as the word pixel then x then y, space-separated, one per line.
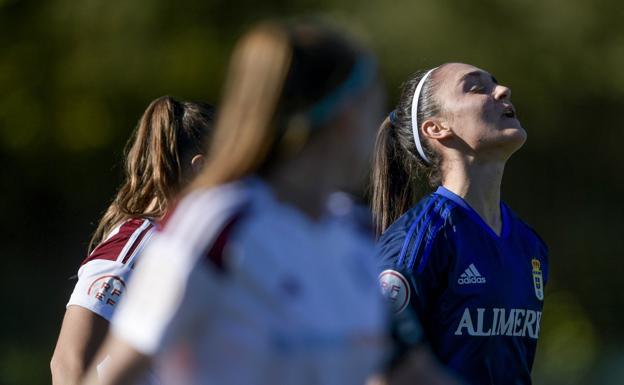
pixel 308 178
pixel 306 190
pixel 479 184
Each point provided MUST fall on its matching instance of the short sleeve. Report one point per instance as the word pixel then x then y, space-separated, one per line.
pixel 103 275
pixel 411 277
pixel 412 257
pixel 101 285
pixel 415 268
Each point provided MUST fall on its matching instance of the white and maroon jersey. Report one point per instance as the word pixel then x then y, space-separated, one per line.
pixel 103 275
pixel 241 289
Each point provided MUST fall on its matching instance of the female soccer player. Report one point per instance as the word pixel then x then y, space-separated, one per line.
pixel 247 283
pixel 459 258
pixel 165 151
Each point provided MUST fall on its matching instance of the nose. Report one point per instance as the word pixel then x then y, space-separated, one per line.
pixel 502 92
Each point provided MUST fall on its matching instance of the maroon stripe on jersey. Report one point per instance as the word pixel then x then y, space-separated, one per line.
pixel 112 247
pixel 214 254
pixel 136 243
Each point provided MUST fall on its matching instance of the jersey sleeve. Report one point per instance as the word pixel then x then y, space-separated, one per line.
pixel 104 274
pixel 414 265
pixel 415 256
pixel 101 284
pixel 413 260
pixel 393 279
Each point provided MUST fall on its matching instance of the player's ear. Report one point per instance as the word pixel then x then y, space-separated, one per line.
pixel 436 129
pixel 197 163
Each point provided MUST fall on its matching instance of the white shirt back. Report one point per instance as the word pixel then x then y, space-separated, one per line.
pixel 291 301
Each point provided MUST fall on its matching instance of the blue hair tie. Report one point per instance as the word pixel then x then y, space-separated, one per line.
pixel 393 118
pixel 361 76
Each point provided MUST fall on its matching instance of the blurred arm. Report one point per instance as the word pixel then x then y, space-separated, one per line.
pixel 82 333
pixel 126 364
pixel 419 366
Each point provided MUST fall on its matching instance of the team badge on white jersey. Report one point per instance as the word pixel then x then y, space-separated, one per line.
pixel 107 289
pixel 538 280
pixel 471 276
pixel 395 289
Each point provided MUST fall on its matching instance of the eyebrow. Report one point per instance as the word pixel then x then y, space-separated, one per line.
pixel 477 73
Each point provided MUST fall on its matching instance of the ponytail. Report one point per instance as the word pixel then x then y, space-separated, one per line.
pixel 244 132
pixel 394 189
pixel 153 160
pixel 285 82
pixel 156 162
pixel 400 175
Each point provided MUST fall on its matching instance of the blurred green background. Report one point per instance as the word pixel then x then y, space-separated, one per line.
pixel 76 75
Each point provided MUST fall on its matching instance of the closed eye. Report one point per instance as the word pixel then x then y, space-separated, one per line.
pixel 477 88
pixel 478 82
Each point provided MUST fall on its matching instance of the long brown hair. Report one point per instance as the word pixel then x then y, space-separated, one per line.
pixel 157 160
pixel 399 175
pixel 278 73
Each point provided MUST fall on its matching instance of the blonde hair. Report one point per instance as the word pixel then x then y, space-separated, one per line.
pixel 157 161
pixel 255 79
pixel 277 73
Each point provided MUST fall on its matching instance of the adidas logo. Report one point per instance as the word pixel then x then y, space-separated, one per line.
pixel 470 275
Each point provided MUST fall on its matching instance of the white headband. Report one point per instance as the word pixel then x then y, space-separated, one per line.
pixel 415 127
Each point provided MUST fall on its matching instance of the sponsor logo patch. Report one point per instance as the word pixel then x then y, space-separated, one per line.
pixel 485 322
pixel 471 276
pixel 395 289
pixel 107 289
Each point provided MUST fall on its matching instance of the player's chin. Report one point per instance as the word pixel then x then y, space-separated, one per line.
pixel 510 138
pixel 513 139
pixel 513 128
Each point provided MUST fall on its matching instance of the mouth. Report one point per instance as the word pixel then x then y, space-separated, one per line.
pixel 509 112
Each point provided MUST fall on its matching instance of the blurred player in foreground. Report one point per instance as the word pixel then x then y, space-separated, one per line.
pixel 164 152
pixel 246 283
pixel 460 258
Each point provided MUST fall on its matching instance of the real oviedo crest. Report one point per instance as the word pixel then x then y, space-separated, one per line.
pixel 538 279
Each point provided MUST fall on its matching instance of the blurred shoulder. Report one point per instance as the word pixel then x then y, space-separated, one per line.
pixel 203 211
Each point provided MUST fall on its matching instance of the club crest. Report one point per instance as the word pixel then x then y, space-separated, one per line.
pixel 538 280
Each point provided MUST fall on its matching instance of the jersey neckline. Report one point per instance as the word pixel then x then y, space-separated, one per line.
pixel 505 218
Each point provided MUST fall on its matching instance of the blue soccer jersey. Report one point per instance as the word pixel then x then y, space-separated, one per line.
pixel 478 295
